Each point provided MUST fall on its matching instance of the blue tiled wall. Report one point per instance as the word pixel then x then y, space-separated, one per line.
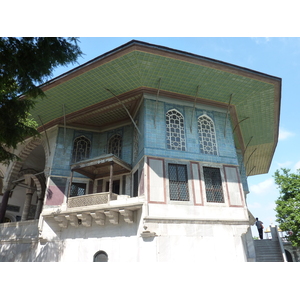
pixel 155 143
pixel 64 147
pixel 152 125
pixel 63 153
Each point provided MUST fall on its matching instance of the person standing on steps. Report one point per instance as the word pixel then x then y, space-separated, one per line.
pixel 260 227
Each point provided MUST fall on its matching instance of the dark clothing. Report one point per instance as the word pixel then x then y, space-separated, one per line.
pixel 260 232
pixel 259 228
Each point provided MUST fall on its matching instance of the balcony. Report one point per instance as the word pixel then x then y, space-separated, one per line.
pixel 83 210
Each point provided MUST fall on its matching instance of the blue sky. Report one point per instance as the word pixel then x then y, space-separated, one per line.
pixel 279 57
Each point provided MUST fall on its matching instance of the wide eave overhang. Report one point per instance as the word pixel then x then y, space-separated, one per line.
pixel 85 97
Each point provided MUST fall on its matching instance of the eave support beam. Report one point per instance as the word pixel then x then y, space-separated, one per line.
pixel 64 113
pixel 194 107
pixel 156 103
pixel 239 123
pixel 248 144
pixel 250 157
pixel 251 171
pixel 227 113
pixel 245 151
pixel 125 110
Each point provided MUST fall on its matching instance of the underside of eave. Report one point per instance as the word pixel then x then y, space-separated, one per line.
pixel 258 162
pixel 256 158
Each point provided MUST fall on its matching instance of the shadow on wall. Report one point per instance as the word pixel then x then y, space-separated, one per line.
pixel 12 252
pixel 19 242
pixel 51 251
pixel 31 252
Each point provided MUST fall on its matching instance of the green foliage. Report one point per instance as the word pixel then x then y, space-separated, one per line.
pixel 26 63
pixel 288 203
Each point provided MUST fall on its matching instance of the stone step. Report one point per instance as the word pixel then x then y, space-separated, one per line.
pixel 268 251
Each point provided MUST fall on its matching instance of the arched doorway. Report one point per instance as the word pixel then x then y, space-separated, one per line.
pixel 27 182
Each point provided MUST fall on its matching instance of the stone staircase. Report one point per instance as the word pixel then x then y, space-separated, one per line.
pixel 268 251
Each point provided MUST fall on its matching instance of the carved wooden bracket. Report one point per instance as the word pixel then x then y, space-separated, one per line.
pixel 113 216
pixel 73 220
pixel 128 215
pixel 99 217
pixel 62 221
pixel 86 219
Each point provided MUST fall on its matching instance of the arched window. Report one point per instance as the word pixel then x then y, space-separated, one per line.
pixel 175 130
pixel 81 149
pixel 100 256
pixel 207 135
pixel 115 145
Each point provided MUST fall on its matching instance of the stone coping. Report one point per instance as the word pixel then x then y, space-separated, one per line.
pixel 19 223
pixel 130 203
pixel 158 219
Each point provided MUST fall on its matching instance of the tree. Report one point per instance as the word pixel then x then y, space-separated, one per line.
pixel 25 64
pixel 288 204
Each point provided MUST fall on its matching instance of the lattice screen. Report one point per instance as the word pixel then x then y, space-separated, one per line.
pixel 213 185
pixel 178 182
pixel 175 130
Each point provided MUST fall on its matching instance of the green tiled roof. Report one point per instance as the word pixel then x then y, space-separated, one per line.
pixel 255 96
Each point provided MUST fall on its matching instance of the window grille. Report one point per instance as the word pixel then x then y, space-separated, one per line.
pixel 213 185
pixel 115 145
pixel 13 208
pixel 81 149
pixel 77 189
pixel 178 182
pixel 175 130
pixel 207 135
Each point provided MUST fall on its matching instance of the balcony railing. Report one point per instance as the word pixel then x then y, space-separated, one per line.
pixel 90 199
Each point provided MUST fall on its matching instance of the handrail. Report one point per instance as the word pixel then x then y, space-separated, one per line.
pixel 280 244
